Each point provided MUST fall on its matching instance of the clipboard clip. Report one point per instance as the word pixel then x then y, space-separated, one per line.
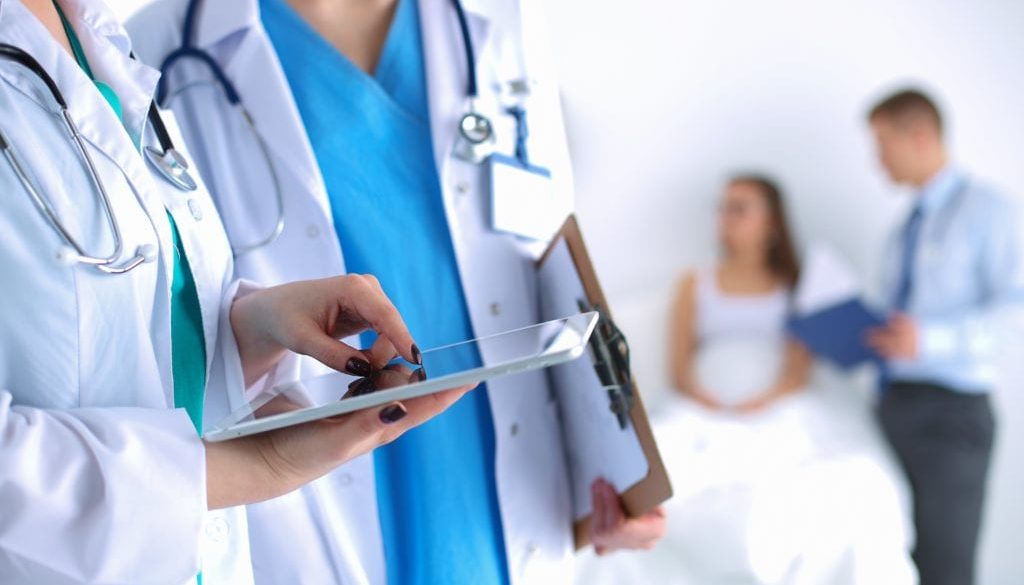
pixel 611 362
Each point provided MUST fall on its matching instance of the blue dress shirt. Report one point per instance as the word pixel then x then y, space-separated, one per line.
pixel 964 286
pixel 436 485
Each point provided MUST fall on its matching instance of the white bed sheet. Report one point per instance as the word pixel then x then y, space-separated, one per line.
pixel 804 493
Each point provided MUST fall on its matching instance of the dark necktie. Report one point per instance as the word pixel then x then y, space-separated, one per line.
pixel 911 235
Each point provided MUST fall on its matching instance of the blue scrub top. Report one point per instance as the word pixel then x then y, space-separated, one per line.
pixel 436 486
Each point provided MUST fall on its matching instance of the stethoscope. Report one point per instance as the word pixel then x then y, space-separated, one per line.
pixel 188 50
pixel 476 132
pixel 165 159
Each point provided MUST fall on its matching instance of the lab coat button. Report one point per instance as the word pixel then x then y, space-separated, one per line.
pixel 514 430
pixel 217 529
pixel 345 479
pixel 531 549
pixel 495 309
pixel 462 187
pixel 312 231
pixel 197 212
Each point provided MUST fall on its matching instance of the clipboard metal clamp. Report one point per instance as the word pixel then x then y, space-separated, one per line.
pixel 611 362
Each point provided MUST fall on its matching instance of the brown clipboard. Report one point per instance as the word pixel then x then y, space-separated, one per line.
pixel 654 488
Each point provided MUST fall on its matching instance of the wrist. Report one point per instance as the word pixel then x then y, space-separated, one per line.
pixel 258 351
pixel 240 472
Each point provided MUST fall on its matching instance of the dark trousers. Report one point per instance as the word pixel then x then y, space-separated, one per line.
pixel 943 439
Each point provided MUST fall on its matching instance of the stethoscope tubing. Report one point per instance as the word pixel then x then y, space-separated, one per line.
pixel 188 50
pixel 78 254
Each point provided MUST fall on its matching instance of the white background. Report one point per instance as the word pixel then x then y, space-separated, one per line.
pixel 664 99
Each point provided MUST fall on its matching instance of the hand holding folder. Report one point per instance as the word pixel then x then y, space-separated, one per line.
pixel 838 333
pixel 829 316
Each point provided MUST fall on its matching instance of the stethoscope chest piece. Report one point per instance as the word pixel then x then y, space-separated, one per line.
pixel 172 166
pixel 476 128
pixel 476 137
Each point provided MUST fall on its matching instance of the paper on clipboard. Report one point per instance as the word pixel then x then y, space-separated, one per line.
pixel 596 445
pixel 605 429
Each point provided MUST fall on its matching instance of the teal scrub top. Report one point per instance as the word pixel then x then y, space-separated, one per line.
pixel 188 344
pixel 436 487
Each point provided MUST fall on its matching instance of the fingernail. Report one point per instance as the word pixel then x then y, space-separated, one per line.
pixel 417 357
pixel 392 414
pixel 360 387
pixel 358 367
pixel 421 374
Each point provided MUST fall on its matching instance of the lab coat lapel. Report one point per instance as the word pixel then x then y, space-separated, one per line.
pixel 133 82
pixel 218 19
pixel 269 100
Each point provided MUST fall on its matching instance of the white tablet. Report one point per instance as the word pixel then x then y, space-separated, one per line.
pixel 450 366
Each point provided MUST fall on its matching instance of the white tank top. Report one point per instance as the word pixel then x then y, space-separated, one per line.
pixel 740 340
pixel 722 314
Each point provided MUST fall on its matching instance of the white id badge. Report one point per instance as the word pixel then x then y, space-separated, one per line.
pixel 521 198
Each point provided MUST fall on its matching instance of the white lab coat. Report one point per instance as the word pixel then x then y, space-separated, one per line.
pixel 329 531
pixel 101 480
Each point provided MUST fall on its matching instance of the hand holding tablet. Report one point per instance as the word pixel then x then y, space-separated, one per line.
pixel 461 366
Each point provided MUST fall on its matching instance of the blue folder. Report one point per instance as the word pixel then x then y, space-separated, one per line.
pixel 837 333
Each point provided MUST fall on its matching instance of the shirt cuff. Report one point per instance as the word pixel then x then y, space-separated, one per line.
pixel 936 340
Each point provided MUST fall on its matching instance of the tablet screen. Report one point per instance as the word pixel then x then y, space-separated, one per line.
pixel 445 367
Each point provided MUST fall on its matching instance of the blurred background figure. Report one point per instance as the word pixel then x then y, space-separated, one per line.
pixel 742 301
pixel 777 479
pixel 954 283
pixel 657 119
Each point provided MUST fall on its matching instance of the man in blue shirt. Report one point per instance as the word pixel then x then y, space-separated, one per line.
pixel 953 281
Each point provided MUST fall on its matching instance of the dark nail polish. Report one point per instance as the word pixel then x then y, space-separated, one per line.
pixel 392 414
pixel 358 367
pixel 360 387
pixel 421 374
pixel 416 355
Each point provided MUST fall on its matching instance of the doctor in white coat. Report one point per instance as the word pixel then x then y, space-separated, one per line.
pixel 329 531
pixel 102 478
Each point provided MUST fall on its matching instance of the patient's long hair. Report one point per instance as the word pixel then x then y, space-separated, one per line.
pixel 782 258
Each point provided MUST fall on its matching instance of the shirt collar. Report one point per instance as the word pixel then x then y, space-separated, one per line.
pixel 940 188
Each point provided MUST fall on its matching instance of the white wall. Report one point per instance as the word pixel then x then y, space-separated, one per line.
pixel 664 99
